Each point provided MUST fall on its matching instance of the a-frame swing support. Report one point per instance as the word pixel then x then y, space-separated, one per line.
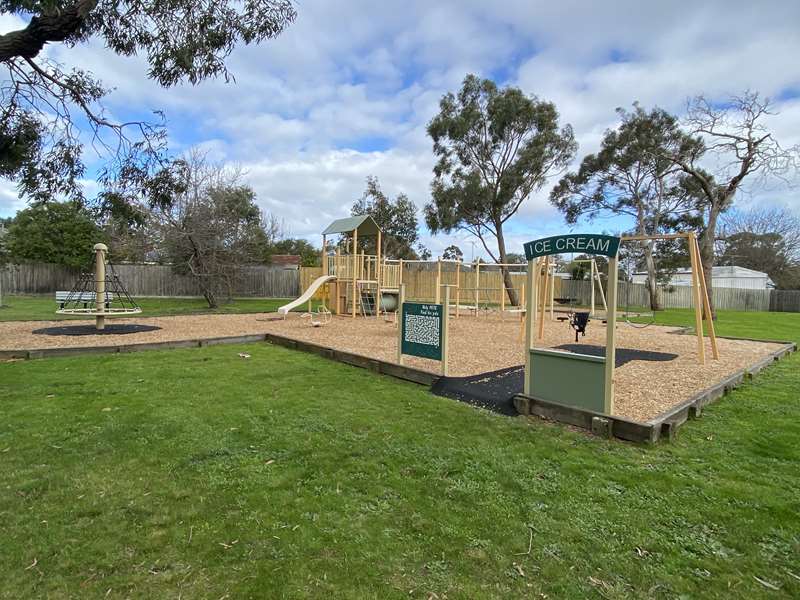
pixel 700 299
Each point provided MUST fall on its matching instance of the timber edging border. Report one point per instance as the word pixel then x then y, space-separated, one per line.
pixel 664 425
pixel 376 366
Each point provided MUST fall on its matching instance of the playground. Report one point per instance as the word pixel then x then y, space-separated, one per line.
pixel 172 472
pixel 459 326
pixel 669 381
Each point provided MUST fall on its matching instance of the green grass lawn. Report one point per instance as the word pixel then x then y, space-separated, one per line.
pixel 756 325
pixel 43 308
pixel 199 474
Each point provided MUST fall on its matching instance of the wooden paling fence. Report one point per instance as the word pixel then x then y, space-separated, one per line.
pixel 149 280
pixel 421 285
pixel 635 295
pixel 420 280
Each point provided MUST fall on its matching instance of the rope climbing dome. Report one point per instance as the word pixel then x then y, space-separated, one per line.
pixel 100 294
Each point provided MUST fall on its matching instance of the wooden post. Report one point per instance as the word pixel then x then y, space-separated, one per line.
pixel 401 298
pixel 378 278
pixel 338 289
pixel 600 287
pixel 698 305
pixel 712 334
pixel 458 287
pixel 445 330
pixel 591 282
pixel 477 284
pixel 502 294
pixel 530 319
pixel 544 297
pixel 355 270
pixel 552 292
pixel 400 275
pixel 324 257
pixel 438 279
pixel 100 285
pixel 611 330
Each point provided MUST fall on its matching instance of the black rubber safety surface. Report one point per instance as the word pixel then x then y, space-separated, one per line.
pixel 623 355
pixel 110 329
pixel 495 390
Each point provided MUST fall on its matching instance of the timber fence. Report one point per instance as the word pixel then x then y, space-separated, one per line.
pixel 266 281
pixel 149 280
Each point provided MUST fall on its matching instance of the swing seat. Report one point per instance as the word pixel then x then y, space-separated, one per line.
pixel 579 321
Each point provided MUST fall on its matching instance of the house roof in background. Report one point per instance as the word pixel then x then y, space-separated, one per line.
pixel 721 271
pixel 285 260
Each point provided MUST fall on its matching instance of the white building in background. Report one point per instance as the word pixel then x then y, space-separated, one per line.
pixel 723 277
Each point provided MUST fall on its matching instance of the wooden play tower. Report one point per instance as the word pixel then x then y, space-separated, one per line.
pixel 362 280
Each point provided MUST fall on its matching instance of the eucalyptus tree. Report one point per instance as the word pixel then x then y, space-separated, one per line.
pixel 631 176
pixel 397 219
pixel 50 112
pixel 495 147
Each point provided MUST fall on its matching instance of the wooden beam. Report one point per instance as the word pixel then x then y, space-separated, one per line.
pixel 698 306
pixel 458 287
pixel 355 270
pixel 544 297
pixel 530 319
pixel 401 298
pixel 378 278
pixel 712 334
pixel 445 331
pixel 438 280
pixel 611 332
pixel 662 236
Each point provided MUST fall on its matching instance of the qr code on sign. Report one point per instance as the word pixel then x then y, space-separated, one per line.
pixel 421 329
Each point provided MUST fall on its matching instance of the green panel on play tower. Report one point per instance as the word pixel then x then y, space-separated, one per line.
pixel 422 330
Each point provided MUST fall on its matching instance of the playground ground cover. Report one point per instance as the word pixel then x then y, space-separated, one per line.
pixel 197 473
pixel 487 343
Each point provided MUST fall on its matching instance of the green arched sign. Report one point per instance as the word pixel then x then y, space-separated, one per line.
pixel 584 243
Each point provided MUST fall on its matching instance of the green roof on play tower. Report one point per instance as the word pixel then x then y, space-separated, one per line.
pixel 365 225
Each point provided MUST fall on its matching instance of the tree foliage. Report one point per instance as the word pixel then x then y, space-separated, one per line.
pixel 732 136
pixel 494 148
pixel 453 252
pixel 397 219
pixel 57 232
pixel 50 112
pixel 214 229
pixel 309 255
pixel 764 238
pixel 632 176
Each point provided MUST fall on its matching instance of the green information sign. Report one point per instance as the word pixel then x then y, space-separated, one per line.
pixel 583 243
pixel 423 325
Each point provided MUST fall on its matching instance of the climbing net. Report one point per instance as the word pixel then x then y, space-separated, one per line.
pixel 82 298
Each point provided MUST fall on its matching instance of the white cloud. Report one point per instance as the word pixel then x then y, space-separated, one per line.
pixel 347 90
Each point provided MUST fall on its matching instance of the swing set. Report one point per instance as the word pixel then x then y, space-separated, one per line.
pixel 583 380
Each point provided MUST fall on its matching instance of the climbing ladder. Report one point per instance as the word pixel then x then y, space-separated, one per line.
pixel 368 302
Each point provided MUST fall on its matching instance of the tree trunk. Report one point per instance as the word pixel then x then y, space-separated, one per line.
pixel 652 283
pixel 508 284
pixel 706 243
pixel 52 26
pixel 211 298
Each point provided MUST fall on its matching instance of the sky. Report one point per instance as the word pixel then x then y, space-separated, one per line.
pixel 348 89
